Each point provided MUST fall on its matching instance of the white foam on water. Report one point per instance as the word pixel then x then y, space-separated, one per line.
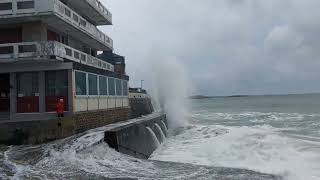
pixel 260 148
pixel 252 116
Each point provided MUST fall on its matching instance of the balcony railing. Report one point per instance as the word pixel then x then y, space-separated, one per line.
pixel 38 50
pixel 98 6
pixel 22 7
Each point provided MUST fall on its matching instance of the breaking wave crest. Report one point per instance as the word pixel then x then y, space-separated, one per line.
pixel 86 156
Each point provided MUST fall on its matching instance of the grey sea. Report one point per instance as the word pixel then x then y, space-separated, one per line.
pixel 255 137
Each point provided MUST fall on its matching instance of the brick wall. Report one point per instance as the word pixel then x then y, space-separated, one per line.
pixel 93 119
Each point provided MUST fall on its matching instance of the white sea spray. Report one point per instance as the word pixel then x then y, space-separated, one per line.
pixel 170 89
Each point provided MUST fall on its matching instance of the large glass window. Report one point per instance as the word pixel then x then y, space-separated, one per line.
pixel 56 88
pixel 81 83
pixel 28 84
pixel 27 92
pixel 111 86
pixel 125 88
pixel 119 87
pixel 56 83
pixel 93 84
pixel 103 87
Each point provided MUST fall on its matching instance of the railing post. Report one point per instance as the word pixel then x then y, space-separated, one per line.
pixel 16 50
pixel 14 7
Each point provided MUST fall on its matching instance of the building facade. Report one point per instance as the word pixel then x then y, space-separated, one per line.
pixel 49 51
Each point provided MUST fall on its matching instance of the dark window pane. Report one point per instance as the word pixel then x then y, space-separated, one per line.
pixel 56 88
pixel 93 84
pixel 5 6
pixel 125 88
pixel 27 84
pixel 119 87
pixel 103 87
pixel 26 5
pixel 56 83
pixel 111 86
pixel 81 83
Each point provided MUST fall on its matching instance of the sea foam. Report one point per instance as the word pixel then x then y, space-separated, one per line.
pixel 260 148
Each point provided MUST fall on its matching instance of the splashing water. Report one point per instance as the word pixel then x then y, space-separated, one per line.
pixel 170 88
pixel 154 137
pixel 163 137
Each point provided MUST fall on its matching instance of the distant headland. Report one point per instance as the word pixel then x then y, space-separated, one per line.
pixel 237 96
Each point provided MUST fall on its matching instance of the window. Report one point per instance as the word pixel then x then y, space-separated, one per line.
pixel 103 87
pixel 119 87
pixel 93 84
pixel 27 92
pixel 25 5
pixel 81 83
pixel 56 83
pixel 56 88
pixel 65 39
pixel 5 6
pixel 111 86
pixel 27 84
pixel 125 88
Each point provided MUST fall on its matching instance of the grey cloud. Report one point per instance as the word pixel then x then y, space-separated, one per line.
pixel 227 46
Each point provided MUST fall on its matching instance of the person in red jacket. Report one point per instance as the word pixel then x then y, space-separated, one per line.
pixel 60 108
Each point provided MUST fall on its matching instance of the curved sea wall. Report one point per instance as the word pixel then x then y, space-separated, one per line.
pixel 139 138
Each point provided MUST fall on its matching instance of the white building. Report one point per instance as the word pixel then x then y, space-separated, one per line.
pixel 48 51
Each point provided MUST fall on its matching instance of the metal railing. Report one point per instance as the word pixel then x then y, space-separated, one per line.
pixel 37 50
pixel 62 10
pixel 101 8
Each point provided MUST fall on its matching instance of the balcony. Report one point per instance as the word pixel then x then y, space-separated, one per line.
pixel 93 10
pixel 50 50
pixel 55 14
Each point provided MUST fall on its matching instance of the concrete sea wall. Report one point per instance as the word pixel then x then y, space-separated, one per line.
pixel 134 138
pixel 140 106
pixel 36 132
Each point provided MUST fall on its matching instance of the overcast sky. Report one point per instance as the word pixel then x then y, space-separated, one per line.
pixel 227 46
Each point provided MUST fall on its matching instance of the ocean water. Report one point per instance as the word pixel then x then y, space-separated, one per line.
pixel 258 137
pixel 278 135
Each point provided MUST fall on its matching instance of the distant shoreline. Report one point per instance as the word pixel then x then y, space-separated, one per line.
pixel 240 96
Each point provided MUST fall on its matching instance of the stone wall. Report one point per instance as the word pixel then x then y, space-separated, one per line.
pixel 140 106
pixel 36 132
pixel 93 119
